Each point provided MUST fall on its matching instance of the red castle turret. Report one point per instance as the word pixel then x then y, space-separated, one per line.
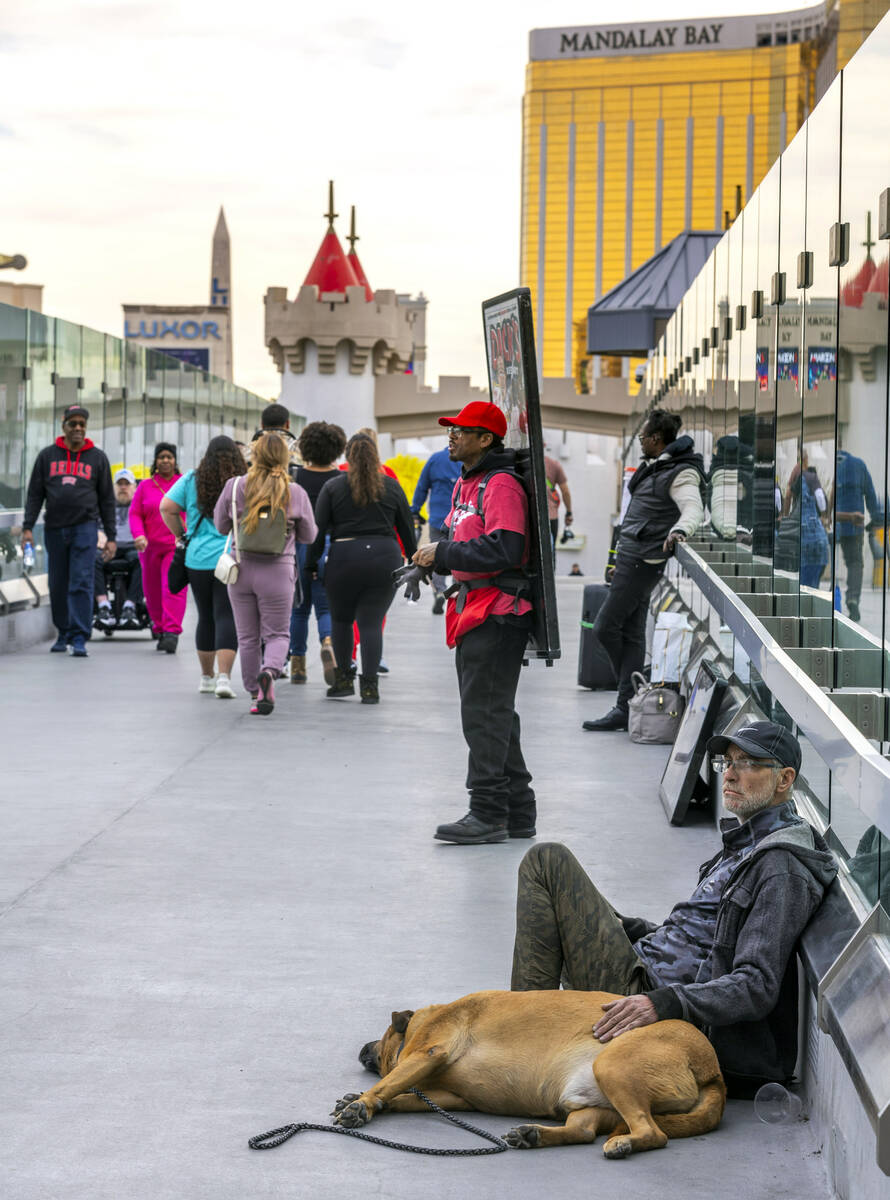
pixel 353 259
pixel 331 270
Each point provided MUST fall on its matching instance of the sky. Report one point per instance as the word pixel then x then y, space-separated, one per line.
pixel 124 127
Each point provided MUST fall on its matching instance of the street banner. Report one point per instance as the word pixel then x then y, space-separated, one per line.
pixel 513 384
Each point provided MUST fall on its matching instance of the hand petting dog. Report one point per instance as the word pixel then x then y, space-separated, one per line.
pixel 630 1012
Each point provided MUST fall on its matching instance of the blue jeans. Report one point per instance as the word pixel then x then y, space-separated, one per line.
pixel 72 553
pixel 314 595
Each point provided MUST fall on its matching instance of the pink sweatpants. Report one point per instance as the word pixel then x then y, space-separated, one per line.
pixel 165 608
pixel 262 600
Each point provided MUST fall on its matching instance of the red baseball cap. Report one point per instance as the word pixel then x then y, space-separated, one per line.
pixel 479 414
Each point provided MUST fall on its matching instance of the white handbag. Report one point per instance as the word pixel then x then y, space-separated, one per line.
pixel 226 569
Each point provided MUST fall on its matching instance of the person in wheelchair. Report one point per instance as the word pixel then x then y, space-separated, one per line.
pixel 124 606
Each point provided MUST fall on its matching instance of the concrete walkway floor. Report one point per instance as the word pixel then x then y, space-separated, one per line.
pixel 205 914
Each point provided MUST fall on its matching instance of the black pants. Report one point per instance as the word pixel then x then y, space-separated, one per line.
pixel 851 549
pixel 489 660
pixel 130 556
pixel 620 624
pixel 358 580
pixel 216 624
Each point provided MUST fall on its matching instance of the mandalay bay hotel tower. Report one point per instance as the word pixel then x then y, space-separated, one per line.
pixel 634 133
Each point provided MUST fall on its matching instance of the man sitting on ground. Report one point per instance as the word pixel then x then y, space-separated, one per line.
pixel 724 959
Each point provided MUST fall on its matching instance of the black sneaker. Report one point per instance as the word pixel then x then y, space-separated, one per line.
pixel 168 642
pixel 470 831
pixel 439 604
pixel 60 645
pixel 615 718
pixel 525 831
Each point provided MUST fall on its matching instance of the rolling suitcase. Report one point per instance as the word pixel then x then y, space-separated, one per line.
pixel 594 665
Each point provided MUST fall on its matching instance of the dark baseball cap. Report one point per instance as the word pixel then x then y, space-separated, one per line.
pixel 75 410
pixel 762 739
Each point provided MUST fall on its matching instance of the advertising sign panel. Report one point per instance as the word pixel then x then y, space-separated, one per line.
pixel 513 384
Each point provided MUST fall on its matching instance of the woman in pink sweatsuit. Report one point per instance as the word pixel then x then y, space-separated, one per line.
pixel 156 544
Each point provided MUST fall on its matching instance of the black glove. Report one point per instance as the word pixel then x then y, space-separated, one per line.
pixel 412 576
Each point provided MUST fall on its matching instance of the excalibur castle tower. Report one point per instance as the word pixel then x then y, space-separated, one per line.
pixel 338 336
pixel 197 334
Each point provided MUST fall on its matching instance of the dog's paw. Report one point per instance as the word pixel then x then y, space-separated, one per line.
pixel 523 1137
pixel 352 1114
pixel 339 1105
pixel 617 1147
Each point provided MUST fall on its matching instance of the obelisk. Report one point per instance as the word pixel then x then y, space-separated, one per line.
pixel 221 284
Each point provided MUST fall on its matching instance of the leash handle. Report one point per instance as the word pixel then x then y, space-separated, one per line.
pixel 276 1137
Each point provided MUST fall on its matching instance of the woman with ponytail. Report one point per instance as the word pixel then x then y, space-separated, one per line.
pixel 363 511
pixel 273 514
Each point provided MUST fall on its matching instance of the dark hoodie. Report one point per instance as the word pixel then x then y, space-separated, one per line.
pixel 652 513
pixel 745 992
pixel 75 486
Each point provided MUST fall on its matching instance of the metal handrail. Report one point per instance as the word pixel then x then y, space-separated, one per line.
pixel 860 769
pixel 11 517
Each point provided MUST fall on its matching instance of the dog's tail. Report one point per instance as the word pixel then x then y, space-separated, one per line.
pixel 704 1115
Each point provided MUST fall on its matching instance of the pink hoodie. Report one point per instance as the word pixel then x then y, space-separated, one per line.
pixel 145 515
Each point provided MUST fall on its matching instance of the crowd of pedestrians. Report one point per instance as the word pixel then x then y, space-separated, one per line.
pixel 307 533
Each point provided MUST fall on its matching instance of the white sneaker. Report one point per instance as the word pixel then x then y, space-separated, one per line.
pixel 208 685
pixel 224 690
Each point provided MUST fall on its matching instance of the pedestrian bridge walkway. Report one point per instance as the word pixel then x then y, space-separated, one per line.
pixel 205 914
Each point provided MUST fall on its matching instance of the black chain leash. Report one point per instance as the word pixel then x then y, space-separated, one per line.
pixel 275 1137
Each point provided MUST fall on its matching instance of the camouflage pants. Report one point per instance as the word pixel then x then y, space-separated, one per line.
pixel 565 930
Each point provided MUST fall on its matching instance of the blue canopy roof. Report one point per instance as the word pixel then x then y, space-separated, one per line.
pixel 631 317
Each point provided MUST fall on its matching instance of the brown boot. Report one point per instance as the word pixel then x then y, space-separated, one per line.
pixel 328 662
pixel 298 668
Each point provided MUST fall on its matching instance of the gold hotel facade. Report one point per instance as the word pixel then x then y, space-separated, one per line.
pixel 634 133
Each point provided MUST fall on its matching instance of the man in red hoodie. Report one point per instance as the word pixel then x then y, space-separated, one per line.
pixel 73 479
pixel 488 622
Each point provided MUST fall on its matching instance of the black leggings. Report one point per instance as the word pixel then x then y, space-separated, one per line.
pixel 216 625
pixel 358 579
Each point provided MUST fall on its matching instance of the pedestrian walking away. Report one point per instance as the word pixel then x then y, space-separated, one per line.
pixel 365 513
pixel 272 514
pixel 157 545
pixel 275 418
pixel 320 445
pixel 556 479
pixel 72 479
pixel 196 494
pixel 487 623
pixel 665 507
pixel 437 479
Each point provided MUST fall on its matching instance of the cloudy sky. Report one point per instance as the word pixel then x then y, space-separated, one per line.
pixel 123 127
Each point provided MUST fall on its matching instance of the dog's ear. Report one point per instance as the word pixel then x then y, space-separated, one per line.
pixel 400 1020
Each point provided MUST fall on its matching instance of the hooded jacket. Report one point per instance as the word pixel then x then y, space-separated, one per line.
pixel 744 996
pixel 652 513
pixel 75 486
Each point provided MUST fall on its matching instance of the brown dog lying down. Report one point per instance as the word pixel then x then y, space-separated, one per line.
pixel 522 1053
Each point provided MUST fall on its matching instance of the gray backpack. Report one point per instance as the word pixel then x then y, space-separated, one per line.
pixel 654 713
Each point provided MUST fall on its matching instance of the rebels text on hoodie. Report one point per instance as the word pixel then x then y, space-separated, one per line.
pixel 75 486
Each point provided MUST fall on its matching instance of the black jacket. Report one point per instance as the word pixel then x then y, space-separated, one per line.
pixel 75 487
pixel 337 514
pixel 745 995
pixel 651 513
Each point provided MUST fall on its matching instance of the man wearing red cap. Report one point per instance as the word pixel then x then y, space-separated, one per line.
pixel 488 622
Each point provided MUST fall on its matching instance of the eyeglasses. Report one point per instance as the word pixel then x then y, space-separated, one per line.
pixel 462 431
pixel 719 765
pixel 76 424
